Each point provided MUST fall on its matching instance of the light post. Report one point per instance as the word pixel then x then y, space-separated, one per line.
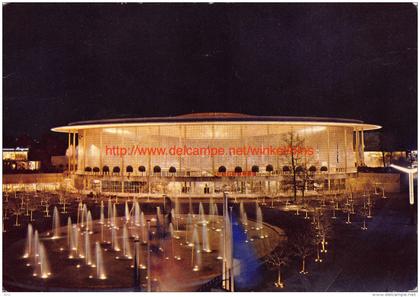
pixel 149 287
pixel 136 272
pixel 227 279
pixel 410 172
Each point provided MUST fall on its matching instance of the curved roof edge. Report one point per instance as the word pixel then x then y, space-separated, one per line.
pixel 213 118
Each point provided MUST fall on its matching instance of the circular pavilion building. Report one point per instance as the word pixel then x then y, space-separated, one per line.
pixel 206 153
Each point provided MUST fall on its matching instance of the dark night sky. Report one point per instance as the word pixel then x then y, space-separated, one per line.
pixel 65 63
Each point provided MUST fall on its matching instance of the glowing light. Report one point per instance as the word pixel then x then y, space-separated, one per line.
pixel 410 172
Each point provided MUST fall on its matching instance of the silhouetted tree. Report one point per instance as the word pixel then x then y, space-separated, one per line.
pixel 278 259
pixel 303 245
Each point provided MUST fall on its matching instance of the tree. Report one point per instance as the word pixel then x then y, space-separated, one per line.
pixel 16 210
pixel 383 141
pixel 324 231
pixel 303 245
pixel 278 259
pixel 296 158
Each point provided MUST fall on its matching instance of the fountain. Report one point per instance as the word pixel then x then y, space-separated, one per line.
pixel 84 216
pixel 127 212
pixel 109 210
pixel 74 242
pixel 69 228
pixel 177 207
pixel 28 246
pixel 139 256
pixel 259 220
pixel 114 239
pixel 102 216
pixel 195 251
pixel 243 216
pixel 56 223
pixel 143 227
pixel 220 252
pixel 216 211
pixel 172 233
pixel 201 213
pixel 79 210
pixel 187 229
pixel 158 213
pixel 89 224
pixel 205 239
pixel 88 256
pixel 35 246
pixel 114 216
pixel 42 268
pixel 174 218
pixel 100 269
pixel 79 244
pixel 137 212
pixel 126 243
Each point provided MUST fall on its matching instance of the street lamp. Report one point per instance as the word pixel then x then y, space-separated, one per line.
pixel 149 287
pixel 410 172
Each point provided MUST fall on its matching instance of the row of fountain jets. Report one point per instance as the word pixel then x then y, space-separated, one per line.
pixel 81 248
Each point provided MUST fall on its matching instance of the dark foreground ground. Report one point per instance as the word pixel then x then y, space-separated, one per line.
pixel 382 258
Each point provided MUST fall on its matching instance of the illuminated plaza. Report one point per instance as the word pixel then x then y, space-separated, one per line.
pixel 210 147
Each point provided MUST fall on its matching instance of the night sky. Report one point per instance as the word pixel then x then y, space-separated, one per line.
pixel 65 63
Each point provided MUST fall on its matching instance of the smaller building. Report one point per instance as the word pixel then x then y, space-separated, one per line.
pixel 385 159
pixel 16 159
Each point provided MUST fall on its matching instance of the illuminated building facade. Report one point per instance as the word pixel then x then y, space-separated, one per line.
pixel 207 153
pixel 16 159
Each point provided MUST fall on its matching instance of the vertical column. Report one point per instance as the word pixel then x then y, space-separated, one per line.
pixel 328 159
pixel 362 153
pixel 345 157
pixel 69 152
pixel 411 187
pixel 345 150
pixel 100 150
pixel 162 165
pixel 212 143
pixel 242 144
pixel 74 152
pixel 277 155
pixel 356 148
pixel 185 141
pixel 122 160
pixel 84 149
pixel 180 144
pixel 227 271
